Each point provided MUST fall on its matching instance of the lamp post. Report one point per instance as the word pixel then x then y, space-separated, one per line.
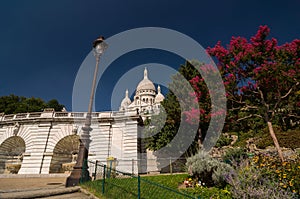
pixel 80 171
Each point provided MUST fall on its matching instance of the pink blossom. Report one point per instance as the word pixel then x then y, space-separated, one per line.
pixel 192 116
pixel 230 75
pixel 256 70
pixel 218 51
pixel 291 72
pixel 226 83
pixel 271 44
pixel 260 36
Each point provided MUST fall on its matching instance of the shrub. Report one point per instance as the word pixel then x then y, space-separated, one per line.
pixel 208 170
pixel 234 155
pixel 223 141
pixel 250 182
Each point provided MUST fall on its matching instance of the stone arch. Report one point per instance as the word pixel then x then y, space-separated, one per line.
pixel 11 154
pixel 64 154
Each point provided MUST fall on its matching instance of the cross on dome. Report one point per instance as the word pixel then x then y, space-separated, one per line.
pixel 158 89
pixel 145 73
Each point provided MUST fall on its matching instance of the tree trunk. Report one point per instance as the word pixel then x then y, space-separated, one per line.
pixel 199 139
pixel 271 130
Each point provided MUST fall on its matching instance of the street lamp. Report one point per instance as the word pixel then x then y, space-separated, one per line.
pixel 80 171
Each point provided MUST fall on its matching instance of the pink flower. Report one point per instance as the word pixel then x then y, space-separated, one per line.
pixel 256 70
pixel 230 76
pixel 192 116
pixel 260 36
pixel 226 83
pixel 218 51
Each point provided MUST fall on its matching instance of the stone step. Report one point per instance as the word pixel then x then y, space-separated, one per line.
pixel 38 193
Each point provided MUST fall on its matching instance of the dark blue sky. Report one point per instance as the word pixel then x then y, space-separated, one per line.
pixel 43 43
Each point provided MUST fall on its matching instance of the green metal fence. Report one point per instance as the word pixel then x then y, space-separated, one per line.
pixel 117 184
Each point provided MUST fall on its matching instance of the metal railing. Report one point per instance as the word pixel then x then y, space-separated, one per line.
pixel 146 166
pixel 112 183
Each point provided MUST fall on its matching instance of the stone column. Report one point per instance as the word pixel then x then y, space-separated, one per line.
pixel 101 141
pixel 34 161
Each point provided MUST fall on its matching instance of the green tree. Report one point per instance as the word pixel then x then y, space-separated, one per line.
pixel 17 104
pixel 34 104
pixel 54 104
pixel 8 104
pixel 164 126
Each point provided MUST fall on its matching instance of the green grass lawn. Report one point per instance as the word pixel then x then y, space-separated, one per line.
pixel 151 187
pixel 159 186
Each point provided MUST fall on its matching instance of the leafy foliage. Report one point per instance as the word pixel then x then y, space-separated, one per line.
pixel 223 141
pixel 164 127
pixel 234 155
pixel 14 104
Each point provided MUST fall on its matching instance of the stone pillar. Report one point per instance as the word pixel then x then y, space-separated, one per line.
pixel 46 163
pixel 34 161
pixel 117 148
pixel 130 144
pixel 101 141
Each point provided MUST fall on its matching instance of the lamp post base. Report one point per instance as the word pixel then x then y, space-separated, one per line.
pixel 80 172
pixel 77 176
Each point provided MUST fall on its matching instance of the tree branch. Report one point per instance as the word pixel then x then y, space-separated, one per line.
pixel 249 116
pixel 289 92
pixel 295 116
pixel 247 107
pixel 262 98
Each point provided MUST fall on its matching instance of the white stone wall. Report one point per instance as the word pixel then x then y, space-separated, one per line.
pixel 113 135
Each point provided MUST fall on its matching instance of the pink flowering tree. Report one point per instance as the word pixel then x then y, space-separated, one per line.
pixel 206 112
pixel 262 78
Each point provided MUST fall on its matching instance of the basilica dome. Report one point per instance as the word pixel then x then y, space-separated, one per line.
pixel 125 102
pixel 145 84
pixel 159 97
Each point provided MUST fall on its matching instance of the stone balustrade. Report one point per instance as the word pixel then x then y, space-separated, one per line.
pixel 52 114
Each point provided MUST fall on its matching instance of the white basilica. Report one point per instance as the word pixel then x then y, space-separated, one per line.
pixel 146 99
